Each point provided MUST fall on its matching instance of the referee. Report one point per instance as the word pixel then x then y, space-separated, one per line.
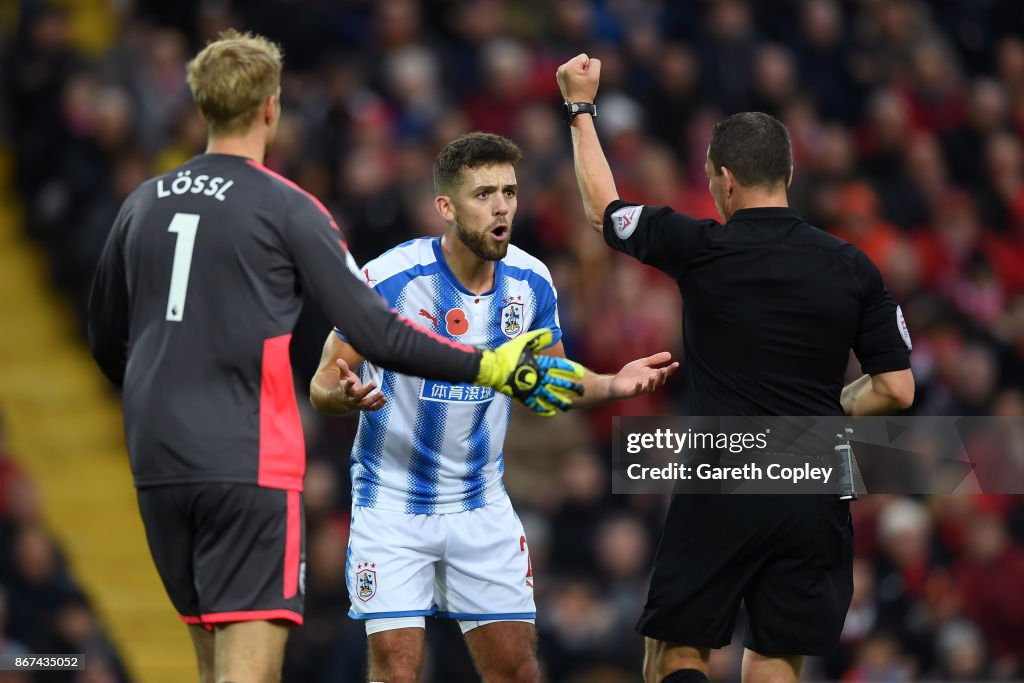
pixel 773 308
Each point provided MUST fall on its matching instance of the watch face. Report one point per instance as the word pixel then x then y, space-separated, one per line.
pixel 571 109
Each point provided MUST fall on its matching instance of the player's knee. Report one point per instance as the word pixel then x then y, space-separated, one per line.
pixel 526 671
pixel 510 668
pixel 394 668
pixel 686 676
pixel 398 677
pixel 683 667
pixel 397 674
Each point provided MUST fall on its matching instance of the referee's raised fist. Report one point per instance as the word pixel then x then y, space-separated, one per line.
pixel 578 78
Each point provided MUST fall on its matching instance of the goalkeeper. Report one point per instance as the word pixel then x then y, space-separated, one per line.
pixel 433 531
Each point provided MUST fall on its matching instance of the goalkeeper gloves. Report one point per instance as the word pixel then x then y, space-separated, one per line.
pixel 541 383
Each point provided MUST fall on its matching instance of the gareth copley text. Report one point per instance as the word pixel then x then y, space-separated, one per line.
pixel 748 472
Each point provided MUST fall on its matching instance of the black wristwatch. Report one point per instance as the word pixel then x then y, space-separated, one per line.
pixel 571 109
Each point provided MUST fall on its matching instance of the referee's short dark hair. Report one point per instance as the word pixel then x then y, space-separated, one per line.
pixel 471 150
pixel 755 147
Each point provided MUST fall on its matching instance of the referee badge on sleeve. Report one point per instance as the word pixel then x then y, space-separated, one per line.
pixel 904 332
pixel 625 220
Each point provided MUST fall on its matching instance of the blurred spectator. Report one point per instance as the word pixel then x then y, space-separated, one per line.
pixel 507 66
pixel 990 578
pixel 965 144
pixel 959 258
pixel 962 653
pixel 583 489
pixel 727 53
pixel 37 64
pixel 624 557
pixel 42 610
pixel 884 134
pixel 775 80
pixel 860 222
pixel 9 470
pixel 8 646
pixel 580 625
pixel 39 586
pixel 1000 189
pixel 824 56
pixel 878 659
pixel 674 94
pixel 903 565
pixel 933 89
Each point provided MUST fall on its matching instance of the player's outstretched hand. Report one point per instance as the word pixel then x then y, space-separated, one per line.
pixel 354 394
pixel 544 384
pixel 578 78
pixel 643 375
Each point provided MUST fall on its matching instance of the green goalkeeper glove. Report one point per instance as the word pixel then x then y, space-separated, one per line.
pixel 541 383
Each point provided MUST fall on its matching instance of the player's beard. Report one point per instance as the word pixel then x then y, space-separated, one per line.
pixel 481 244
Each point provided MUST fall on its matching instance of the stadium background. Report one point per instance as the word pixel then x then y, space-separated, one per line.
pixel 907 120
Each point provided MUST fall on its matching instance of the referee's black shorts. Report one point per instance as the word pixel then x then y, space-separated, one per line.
pixel 228 552
pixel 788 558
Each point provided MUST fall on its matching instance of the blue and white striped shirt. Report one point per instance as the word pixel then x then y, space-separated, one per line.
pixel 437 447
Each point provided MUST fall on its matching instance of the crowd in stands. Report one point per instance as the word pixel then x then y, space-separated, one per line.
pixel 907 120
pixel 42 608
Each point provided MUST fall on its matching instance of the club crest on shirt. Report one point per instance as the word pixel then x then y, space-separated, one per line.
pixel 512 317
pixel 366 581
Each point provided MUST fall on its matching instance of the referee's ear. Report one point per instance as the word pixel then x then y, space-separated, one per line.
pixel 789 183
pixel 729 181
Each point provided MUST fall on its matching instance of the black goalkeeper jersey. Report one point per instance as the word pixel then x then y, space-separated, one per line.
pixel 191 313
pixel 773 307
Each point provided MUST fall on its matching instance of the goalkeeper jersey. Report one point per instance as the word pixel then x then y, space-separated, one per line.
pixel 436 447
pixel 191 313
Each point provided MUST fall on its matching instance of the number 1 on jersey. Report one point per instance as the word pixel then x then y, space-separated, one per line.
pixel 185 225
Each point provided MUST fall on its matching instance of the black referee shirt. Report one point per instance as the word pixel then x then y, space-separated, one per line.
pixel 192 309
pixel 773 307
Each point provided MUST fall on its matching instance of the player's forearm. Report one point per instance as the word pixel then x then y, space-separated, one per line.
pixel 327 395
pixel 107 330
pixel 112 365
pixel 377 333
pixel 597 389
pixel 861 398
pixel 597 185
pixel 107 347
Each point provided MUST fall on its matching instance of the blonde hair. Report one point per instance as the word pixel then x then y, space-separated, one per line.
pixel 231 77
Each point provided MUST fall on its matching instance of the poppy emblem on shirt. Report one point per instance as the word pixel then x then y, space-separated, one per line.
pixel 366 581
pixel 456 322
pixel 512 317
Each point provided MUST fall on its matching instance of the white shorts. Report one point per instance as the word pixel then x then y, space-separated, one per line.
pixel 473 566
